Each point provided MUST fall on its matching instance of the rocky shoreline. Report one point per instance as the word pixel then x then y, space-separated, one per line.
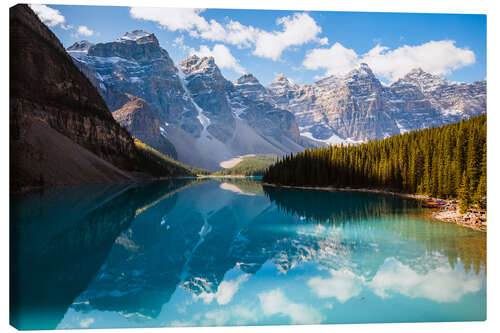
pixel 473 218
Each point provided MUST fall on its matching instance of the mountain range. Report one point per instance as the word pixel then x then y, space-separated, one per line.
pixel 357 107
pixel 208 119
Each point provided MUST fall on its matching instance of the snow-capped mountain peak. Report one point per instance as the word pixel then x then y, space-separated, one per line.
pixel 416 71
pixel 138 36
pixel 364 67
pixel 282 84
pixel 283 80
pixel 194 64
pixel 425 81
pixel 249 86
pixel 247 79
pixel 80 46
pixel 361 71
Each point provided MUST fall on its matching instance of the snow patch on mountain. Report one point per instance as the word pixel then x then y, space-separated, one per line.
pixel 332 140
pixel 133 36
pixel 402 129
pixel 80 46
pixel 204 120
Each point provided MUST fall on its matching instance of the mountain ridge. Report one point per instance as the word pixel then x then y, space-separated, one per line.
pixel 415 101
pixel 206 117
pixel 350 108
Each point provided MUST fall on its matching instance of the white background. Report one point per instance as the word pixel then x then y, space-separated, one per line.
pixel 421 6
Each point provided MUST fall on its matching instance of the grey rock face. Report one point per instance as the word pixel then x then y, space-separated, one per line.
pixel 454 100
pixel 208 90
pixel 225 103
pixel 251 88
pixel 413 109
pixel 204 114
pixel 138 118
pixel 360 109
pixel 81 46
pixel 136 64
pixel 351 107
pixel 253 103
pixel 357 107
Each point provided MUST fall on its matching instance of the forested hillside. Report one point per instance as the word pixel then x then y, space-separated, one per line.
pixel 165 166
pixel 445 162
pixel 251 165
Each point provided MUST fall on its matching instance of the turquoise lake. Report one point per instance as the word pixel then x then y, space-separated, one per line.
pixel 214 252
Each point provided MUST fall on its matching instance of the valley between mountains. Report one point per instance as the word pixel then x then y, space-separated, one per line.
pixel 190 112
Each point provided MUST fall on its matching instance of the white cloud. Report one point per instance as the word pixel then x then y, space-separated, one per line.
pixel 189 19
pixel 178 323
pixel 436 57
pixel 49 16
pixel 222 56
pixel 441 284
pixel 84 31
pixel 225 292
pixel 236 315
pixel 343 285
pixel 171 18
pixel 85 323
pixel 179 43
pixel 336 60
pixel 239 34
pixel 275 302
pixel 297 29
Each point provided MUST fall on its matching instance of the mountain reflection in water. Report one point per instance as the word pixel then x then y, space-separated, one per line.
pixel 229 252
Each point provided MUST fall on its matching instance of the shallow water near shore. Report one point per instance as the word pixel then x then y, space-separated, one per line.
pixel 212 252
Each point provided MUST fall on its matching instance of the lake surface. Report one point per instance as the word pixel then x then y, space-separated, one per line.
pixel 230 252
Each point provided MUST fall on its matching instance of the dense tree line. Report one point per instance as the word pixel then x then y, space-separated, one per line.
pixel 160 165
pixel 444 162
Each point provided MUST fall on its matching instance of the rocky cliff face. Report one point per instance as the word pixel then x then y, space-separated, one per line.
pixel 81 46
pixel 138 118
pixel 283 90
pixel 246 100
pixel 61 129
pixel 250 87
pixel 253 103
pixel 206 117
pixel 207 87
pixel 357 107
pixel 136 64
pixel 351 107
pixel 453 100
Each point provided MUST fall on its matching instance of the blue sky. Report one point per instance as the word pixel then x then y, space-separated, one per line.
pixel 305 46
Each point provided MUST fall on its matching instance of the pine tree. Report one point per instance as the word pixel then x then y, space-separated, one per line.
pixel 464 194
pixel 480 196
